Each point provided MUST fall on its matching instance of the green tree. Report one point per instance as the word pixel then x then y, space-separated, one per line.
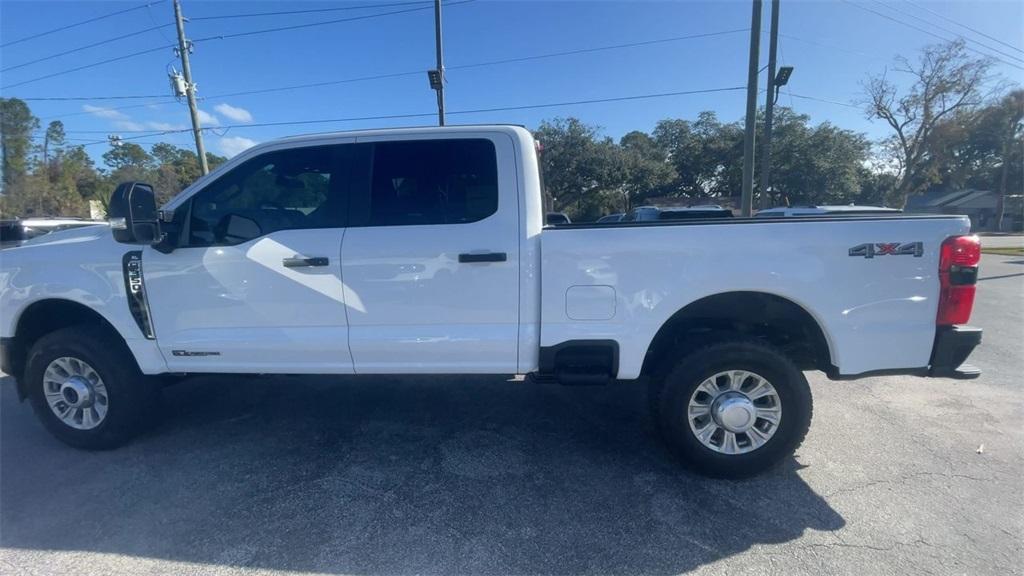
pixel 16 127
pixel 127 155
pixel 820 164
pixel 705 154
pixel 583 172
pixel 177 168
pixel 647 170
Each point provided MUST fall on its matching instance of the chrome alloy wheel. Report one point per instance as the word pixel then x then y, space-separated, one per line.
pixel 75 393
pixel 734 412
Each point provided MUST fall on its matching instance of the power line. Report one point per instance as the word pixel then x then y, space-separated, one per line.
pixel 318 84
pixel 90 20
pixel 90 98
pixel 420 71
pixel 965 26
pixel 825 100
pixel 310 11
pixel 129 106
pixel 87 46
pixel 834 47
pixel 928 32
pixel 324 23
pixel 150 133
pixel 597 49
pixel 948 31
pixel 225 37
pixel 85 66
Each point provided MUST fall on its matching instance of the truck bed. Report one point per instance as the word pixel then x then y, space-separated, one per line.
pixel 622 281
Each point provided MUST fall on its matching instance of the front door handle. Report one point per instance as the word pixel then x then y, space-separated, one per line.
pixel 303 262
pixel 484 257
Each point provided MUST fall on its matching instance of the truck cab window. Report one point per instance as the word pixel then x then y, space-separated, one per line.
pixel 433 182
pixel 285 190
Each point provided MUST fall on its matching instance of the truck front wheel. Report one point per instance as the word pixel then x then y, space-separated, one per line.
pixel 733 409
pixel 87 390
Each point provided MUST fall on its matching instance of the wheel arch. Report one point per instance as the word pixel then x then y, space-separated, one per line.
pixel 776 319
pixel 43 317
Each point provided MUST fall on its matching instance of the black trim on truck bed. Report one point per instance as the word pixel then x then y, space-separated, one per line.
pixel 751 220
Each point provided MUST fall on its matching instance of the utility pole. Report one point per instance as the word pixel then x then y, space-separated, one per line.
pixel 769 109
pixel 190 88
pixel 440 63
pixel 746 200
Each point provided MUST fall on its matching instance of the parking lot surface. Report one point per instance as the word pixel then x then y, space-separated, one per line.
pixel 469 475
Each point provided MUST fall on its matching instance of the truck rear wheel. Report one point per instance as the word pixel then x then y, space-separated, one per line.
pixel 733 409
pixel 86 390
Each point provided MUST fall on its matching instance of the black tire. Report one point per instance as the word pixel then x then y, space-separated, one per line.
pixel 132 397
pixel 671 393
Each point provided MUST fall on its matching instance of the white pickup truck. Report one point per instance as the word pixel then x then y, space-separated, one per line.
pixel 424 251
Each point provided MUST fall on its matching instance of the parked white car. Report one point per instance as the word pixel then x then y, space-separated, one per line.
pixel 424 251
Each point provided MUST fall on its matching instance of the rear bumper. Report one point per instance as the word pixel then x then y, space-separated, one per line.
pixel 953 344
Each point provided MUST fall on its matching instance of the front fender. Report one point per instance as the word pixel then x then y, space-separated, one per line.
pixel 86 270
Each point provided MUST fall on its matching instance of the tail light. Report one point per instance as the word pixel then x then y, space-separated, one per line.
pixel 958 273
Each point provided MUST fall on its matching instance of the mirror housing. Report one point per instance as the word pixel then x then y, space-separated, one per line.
pixel 133 215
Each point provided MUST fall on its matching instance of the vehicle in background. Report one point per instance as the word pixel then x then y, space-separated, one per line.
pixel 556 218
pixel 653 213
pixel 611 218
pixel 847 210
pixel 14 232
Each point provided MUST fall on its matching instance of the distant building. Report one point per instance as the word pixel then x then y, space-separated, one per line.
pixel 979 205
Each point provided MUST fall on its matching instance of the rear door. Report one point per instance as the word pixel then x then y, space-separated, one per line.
pixel 431 256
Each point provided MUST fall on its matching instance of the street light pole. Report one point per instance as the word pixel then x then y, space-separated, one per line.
pixel 746 200
pixel 769 110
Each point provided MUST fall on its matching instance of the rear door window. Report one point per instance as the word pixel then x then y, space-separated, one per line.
pixel 430 182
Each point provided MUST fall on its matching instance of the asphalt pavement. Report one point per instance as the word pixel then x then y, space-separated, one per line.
pixel 469 475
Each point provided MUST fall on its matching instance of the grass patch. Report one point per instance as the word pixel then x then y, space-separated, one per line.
pixel 1007 251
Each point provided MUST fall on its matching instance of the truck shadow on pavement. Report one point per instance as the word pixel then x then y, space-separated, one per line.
pixel 387 476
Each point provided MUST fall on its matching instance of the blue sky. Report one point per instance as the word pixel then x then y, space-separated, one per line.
pixel 832 44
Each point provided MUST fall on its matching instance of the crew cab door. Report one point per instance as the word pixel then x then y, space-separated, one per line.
pixel 431 255
pixel 254 283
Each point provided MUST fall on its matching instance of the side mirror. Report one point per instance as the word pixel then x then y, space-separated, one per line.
pixel 132 214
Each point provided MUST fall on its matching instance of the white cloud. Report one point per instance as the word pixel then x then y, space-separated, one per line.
pixel 101 112
pixel 207 119
pixel 233 113
pixel 128 125
pixel 232 145
pixel 165 126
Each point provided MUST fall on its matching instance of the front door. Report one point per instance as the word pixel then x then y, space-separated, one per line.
pixel 254 284
pixel 431 256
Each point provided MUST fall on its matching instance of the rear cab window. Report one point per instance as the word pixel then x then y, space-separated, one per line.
pixel 425 182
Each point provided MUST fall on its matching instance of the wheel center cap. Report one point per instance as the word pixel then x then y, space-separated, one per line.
pixel 734 412
pixel 77 392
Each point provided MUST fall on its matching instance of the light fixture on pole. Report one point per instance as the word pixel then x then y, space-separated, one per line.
pixel 436 83
pixel 782 77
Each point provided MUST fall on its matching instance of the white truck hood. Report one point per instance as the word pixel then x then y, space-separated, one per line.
pixel 80 234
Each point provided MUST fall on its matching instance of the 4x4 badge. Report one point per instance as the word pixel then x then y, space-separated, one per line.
pixel 915 249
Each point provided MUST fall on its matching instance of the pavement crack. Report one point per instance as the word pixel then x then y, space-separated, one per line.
pixel 906 478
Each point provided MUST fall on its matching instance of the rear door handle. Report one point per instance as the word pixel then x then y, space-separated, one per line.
pixel 303 262
pixel 484 257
